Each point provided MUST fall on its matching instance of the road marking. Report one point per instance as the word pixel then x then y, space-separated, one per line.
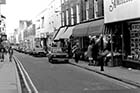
pixel 23 76
pixel 35 89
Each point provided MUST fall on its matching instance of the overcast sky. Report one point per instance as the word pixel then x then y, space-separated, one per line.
pixel 16 10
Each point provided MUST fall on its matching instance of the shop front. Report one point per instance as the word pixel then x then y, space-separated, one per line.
pixel 123 23
pixel 132 44
pixel 82 32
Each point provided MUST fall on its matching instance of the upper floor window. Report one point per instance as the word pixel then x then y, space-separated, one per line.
pixel 63 23
pixel 87 9
pixel 98 8
pixel 95 8
pixel 67 17
pixel 78 13
pixel 72 16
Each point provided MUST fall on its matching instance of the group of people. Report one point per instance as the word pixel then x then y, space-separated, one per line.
pixel 98 48
pixel 4 51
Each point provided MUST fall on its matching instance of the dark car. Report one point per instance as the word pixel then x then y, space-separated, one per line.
pixel 28 51
pixel 57 54
pixel 38 52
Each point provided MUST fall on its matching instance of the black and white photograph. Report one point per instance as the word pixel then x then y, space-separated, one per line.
pixel 69 46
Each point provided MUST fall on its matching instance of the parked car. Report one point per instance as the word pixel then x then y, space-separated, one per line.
pixel 38 52
pixel 28 51
pixel 57 54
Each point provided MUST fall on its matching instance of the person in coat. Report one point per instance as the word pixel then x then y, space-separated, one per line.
pixel 10 51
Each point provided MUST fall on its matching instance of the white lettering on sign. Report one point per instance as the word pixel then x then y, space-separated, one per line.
pixel 120 10
pixel 116 3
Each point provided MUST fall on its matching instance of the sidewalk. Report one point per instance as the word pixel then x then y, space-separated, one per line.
pixel 130 76
pixel 9 80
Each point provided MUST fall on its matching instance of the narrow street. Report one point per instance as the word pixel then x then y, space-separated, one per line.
pixel 66 78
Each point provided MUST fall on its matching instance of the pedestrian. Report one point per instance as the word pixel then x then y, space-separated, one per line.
pixel 95 49
pixel 2 50
pixel 10 51
pixel 90 52
pixel 76 52
pixel 69 48
pixel 2 54
pixel 104 51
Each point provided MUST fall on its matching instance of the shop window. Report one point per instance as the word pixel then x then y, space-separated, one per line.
pixel 134 41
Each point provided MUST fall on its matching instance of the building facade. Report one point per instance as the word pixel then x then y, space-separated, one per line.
pixel 80 19
pixel 123 22
pixel 48 22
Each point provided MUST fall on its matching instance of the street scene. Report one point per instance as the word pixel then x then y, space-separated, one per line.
pixel 69 46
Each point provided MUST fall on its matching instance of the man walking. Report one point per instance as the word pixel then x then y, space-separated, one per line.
pixel 10 51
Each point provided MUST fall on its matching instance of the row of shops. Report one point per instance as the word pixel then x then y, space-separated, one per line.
pixel 125 37
pixel 121 22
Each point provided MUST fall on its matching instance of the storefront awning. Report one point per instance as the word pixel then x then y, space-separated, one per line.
pixel 68 32
pixel 80 30
pixel 90 28
pixel 60 32
pixel 96 27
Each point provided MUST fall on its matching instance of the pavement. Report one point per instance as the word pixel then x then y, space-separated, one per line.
pixel 9 80
pixel 127 75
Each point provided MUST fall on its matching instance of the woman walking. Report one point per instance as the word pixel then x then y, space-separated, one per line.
pixel 90 52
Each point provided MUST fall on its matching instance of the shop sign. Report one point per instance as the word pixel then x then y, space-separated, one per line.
pixel 119 10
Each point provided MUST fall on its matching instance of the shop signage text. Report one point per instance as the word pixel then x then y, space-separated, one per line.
pixel 120 10
pixel 116 3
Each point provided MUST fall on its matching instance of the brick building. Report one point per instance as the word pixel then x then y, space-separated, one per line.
pixel 79 19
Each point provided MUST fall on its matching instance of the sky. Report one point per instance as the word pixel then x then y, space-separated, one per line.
pixel 16 10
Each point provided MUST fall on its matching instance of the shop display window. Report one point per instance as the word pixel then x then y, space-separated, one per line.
pixel 134 42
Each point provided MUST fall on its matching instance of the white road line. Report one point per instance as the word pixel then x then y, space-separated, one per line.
pixel 35 89
pixel 18 79
pixel 29 90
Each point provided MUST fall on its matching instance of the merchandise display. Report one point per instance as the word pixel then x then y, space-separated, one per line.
pixel 135 41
